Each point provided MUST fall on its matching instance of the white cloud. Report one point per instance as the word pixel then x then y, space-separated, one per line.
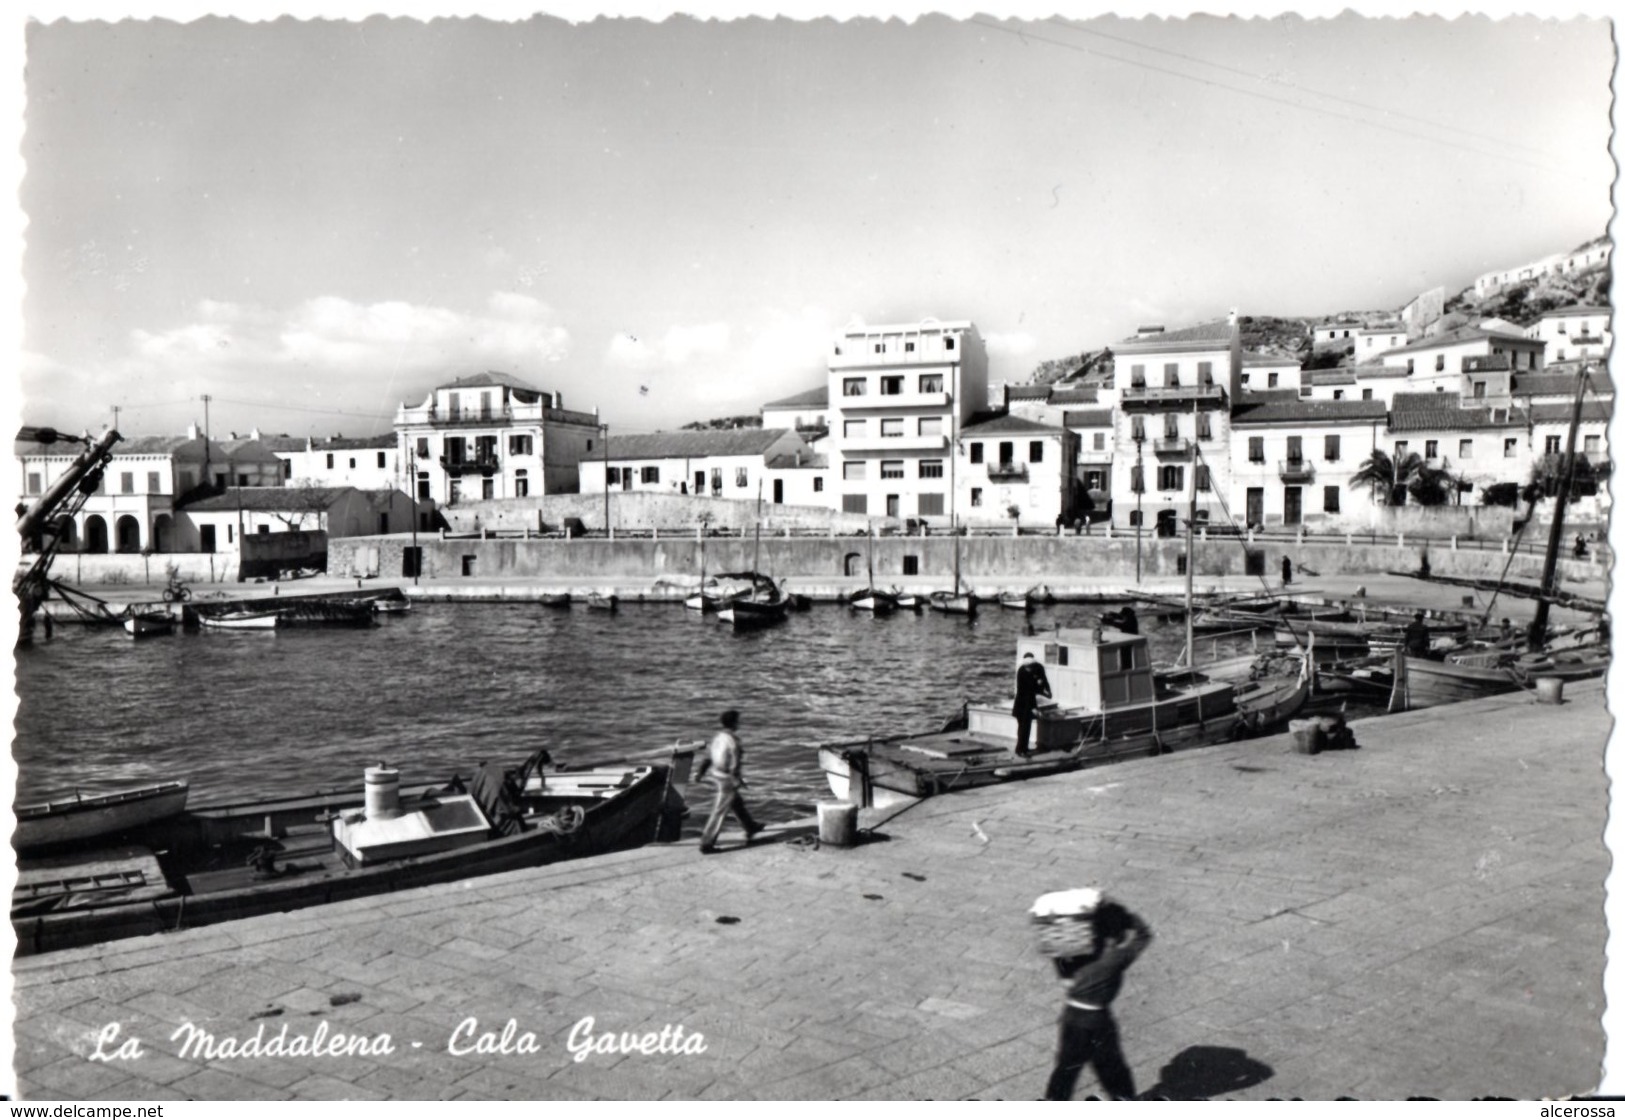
pixel 681 345
pixel 1012 344
pixel 328 352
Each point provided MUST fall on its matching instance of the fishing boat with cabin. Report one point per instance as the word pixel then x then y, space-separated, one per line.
pixel 1108 704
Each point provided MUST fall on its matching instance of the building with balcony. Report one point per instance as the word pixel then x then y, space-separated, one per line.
pixel 738 463
pixel 1012 463
pixel 1172 425
pixel 802 412
pixel 1291 459
pixel 1438 363
pixel 899 397
pixel 491 435
pixel 1574 333
pixel 1092 469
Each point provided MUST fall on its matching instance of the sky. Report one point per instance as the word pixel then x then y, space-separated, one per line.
pixel 313 223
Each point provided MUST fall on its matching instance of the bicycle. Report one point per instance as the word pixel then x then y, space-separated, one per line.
pixel 176 591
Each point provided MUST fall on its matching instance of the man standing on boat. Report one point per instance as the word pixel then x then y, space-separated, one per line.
pixel 1031 683
pixel 724 759
pixel 1092 942
pixel 1417 639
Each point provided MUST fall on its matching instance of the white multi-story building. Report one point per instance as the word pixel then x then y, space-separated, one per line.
pixel 1377 339
pixel 1174 418
pixel 366 463
pixel 1575 333
pixel 1015 471
pixel 1291 459
pixel 491 435
pixel 898 399
pixel 1437 363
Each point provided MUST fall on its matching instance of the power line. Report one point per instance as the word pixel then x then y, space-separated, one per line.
pixel 1305 89
pixel 1028 36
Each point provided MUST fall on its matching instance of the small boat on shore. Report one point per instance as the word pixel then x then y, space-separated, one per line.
pixel 906 601
pixel 63 821
pixel 1109 704
pixel 600 602
pixel 217 863
pixel 391 606
pixel 554 599
pixel 149 624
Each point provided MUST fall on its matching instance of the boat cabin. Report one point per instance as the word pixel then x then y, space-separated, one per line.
pixel 1092 670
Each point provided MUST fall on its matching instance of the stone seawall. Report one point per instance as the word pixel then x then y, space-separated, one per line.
pixel 926 560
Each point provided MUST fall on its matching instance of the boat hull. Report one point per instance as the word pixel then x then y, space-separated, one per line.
pixel 1427 684
pixel 628 818
pixel 59 823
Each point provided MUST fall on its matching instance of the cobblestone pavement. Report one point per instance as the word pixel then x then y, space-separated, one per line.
pixel 1422 916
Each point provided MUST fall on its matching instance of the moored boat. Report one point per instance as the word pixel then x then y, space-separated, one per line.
pixel 218 863
pixel 872 601
pixel 149 624
pixel 762 604
pixel 243 620
pixel 1422 683
pixel 64 820
pixel 554 599
pixel 1108 704
pixel 952 602
pixel 600 602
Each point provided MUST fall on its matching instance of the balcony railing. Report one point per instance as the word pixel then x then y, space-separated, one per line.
pixel 895 400
pixel 882 443
pixel 1141 394
pixel 481 464
pixel 1006 472
pixel 1297 470
pixel 1171 445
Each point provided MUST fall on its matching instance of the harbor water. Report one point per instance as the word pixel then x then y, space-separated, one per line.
pixel 437 690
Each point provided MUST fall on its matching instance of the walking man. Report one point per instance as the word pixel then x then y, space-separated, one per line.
pixel 724 759
pixel 1092 977
pixel 1031 683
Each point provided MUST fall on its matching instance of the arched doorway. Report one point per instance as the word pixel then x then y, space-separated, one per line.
pixel 95 533
pixel 854 564
pixel 129 534
pixel 163 529
pixel 69 540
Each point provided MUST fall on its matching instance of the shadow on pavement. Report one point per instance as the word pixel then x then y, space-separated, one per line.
pixel 1202 1072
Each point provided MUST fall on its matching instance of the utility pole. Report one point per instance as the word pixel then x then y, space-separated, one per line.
pixel 206 400
pixel 605 427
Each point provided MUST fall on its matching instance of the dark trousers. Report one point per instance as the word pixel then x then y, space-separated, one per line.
pixel 1089 1038
pixel 1024 728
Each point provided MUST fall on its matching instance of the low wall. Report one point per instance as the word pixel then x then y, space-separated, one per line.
pixel 645 510
pixel 988 559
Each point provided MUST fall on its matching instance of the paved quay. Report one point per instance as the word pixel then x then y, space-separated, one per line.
pixel 1422 916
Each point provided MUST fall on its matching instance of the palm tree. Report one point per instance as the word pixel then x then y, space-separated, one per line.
pixel 1390 479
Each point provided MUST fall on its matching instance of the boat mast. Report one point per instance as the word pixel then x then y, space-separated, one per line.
pixel 1190 546
pixel 1554 539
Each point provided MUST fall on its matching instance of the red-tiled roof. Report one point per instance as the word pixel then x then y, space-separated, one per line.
pixel 1563 412
pixel 693 445
pixel 1010 425
pixel 1461 336
pixel 1026 392
pixel 1306 412
pixel 1551 383
pixel 1083 394
pixel 1422 412
pixel 1216 332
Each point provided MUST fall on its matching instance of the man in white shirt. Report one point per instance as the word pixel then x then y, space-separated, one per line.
pixel 724 760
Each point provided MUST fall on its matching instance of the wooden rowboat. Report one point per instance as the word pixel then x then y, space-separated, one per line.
pixel 243 620
pixel 49 824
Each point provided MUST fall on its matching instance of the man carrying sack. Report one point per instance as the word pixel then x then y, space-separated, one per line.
pixel 1092 942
